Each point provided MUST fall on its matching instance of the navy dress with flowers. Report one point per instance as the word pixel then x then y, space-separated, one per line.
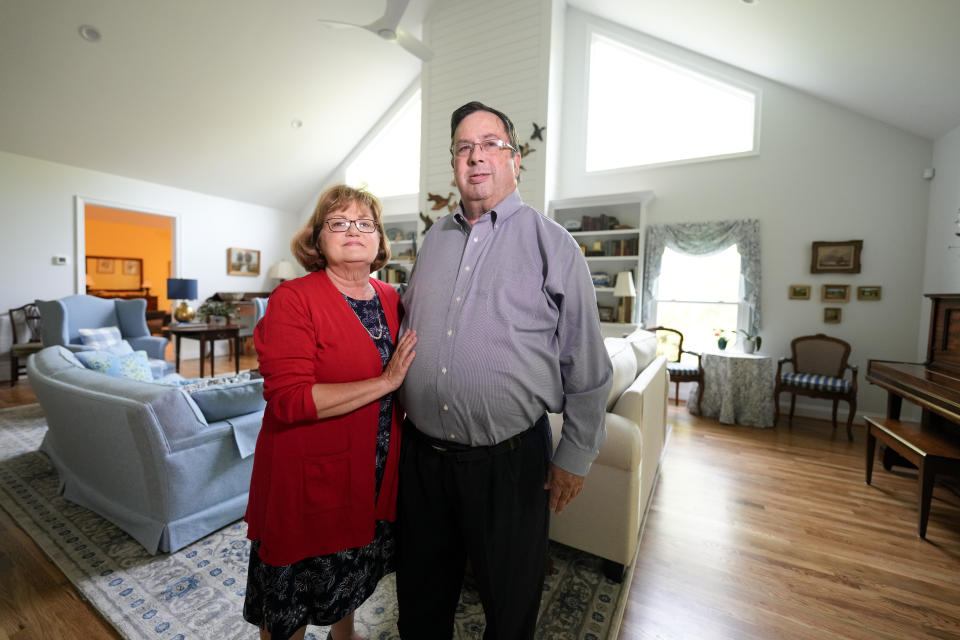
pixel 323 589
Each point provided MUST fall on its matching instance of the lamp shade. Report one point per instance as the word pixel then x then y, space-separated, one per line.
pixel 624 287
pixel 283 270
pixel 181 289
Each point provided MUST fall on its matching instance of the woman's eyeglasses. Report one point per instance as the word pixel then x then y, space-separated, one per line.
pixel 340 225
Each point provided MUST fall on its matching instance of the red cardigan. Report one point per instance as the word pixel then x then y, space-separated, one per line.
pixel 313 485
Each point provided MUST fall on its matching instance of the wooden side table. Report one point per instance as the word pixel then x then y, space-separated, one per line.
pixel 205 333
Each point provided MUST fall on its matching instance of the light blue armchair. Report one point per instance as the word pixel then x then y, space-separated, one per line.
pixel 63 318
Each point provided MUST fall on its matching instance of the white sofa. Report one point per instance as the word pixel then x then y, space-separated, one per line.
pixel 606 518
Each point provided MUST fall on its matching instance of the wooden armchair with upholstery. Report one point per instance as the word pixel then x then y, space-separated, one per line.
pixel 26 334
pixel 680 369
pixel 819 365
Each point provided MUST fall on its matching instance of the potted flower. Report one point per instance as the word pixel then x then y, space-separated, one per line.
pixel 214 309
pixel 722 338
pixel 751 341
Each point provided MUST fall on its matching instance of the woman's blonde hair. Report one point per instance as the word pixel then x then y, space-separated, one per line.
pixel 306 242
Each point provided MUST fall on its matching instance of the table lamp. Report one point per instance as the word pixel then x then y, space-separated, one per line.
pixel 626 291
pixel 283 270
pixel 182 289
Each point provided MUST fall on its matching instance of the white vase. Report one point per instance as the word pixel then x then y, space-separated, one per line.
pixel 749 346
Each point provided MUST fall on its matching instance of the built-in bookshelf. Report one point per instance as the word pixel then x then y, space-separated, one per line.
pixel 609 230
pixel 401 231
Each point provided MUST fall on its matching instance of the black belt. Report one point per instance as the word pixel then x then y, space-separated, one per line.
pixel 466 453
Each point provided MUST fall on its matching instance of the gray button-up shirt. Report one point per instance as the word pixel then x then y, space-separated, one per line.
pixel 507 329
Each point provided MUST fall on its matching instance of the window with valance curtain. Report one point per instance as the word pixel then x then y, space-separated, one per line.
pixel 705 238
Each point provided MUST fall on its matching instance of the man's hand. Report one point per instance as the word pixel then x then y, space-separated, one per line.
pixel 564 487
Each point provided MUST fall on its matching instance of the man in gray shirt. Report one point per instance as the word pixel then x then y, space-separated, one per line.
pixel 506 315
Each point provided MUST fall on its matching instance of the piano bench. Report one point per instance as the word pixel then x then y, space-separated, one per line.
pixel 930 449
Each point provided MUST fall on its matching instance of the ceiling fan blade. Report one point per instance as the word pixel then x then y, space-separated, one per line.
pixel 414 46
pixel 390 18
pixel 334 24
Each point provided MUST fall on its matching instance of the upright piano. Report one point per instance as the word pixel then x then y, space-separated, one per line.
pixel 933 385
pixel 933 444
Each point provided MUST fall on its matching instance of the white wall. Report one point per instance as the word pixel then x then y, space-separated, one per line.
pixel 942 264
pixel 37 222
pixel 822 173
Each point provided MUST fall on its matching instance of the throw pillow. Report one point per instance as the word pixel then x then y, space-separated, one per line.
pixel 227 401
pixel 102 337
pixel 134 365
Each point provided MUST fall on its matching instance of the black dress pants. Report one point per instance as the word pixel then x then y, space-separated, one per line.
pixel 485 504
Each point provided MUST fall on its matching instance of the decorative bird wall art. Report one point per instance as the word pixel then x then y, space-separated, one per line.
pixel 439 202
pixel 427 222
pixel 538 132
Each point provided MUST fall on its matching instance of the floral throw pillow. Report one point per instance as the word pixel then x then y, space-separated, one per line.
pixel 135 365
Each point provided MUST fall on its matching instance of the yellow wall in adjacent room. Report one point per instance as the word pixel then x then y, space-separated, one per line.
pixel 127 234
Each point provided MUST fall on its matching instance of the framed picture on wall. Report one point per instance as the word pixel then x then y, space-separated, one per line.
pixel 831 315
pixel 836 257
pixel 868 293
pixel 105 265
pixel 835 293
pixel 243 262
pixel 799 292
pixel 131 267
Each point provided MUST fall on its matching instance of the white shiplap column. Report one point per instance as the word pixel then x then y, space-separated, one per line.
pixel 499 53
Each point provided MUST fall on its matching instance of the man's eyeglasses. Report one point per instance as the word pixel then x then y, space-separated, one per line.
pixel 340 225
pixel 463 149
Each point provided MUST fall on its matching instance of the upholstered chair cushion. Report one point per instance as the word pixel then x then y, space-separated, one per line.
pixel 624 367
pixel 219 402
pixel 815 382
pixel 682 369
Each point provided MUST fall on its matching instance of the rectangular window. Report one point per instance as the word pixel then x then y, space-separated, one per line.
pixel 698 295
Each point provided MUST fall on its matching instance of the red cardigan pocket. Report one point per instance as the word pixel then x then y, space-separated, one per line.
pixel 326 483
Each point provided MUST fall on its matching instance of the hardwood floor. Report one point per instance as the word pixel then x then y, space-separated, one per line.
pixel 772 533
pixel 752 534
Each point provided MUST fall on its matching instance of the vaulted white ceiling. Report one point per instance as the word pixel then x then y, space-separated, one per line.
pixel 201 95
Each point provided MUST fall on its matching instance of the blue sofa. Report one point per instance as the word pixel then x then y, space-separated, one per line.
pixel 167 464
pixel 62 320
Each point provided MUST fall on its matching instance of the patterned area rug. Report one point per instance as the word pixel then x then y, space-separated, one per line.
pixel 197 592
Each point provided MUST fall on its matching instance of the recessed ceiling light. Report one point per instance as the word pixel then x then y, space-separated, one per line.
pixel 296 123
pixel 89 33
pixel 748 1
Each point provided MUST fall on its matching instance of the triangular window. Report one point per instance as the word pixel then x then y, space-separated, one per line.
pixel 643 110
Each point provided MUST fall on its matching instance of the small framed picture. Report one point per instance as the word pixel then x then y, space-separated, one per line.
pixel 836 257
pixel 105 265
pixel 799 292
pixel 243 262
pixel 831 315
pixel 607 314
pixel 131 267
pixel 835 293
pixel 868 293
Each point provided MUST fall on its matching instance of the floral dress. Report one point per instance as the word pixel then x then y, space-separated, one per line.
pixel 323 589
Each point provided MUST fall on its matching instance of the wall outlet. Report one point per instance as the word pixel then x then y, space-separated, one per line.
pixel 60 260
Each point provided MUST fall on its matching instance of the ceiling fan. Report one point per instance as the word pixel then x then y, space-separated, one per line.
pixel 387 27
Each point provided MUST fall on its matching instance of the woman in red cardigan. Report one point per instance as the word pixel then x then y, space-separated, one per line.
pixel 324 485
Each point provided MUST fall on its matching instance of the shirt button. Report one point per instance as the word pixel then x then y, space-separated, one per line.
pixel 453 436
pixel 446 408
pixel 444 370
pixel 449 332
pixel 458 298
pixel 467 268
pixel 476 239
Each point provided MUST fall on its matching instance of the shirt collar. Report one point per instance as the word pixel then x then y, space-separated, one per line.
pixel 501 211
